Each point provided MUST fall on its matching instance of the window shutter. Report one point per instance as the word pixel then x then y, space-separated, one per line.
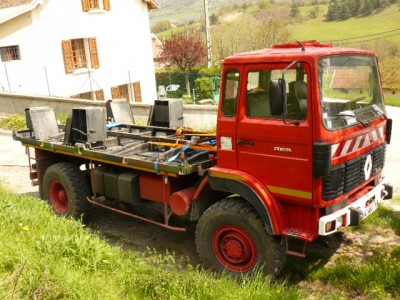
pixel 106 4
pixel 94 56
pixel 85 5
pixel 99 95
pixel 138 93
pixel 115 93
pixel 68 56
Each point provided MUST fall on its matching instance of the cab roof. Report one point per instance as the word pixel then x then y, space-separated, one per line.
pixel 304 50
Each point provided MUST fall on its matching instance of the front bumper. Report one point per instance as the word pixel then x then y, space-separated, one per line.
pixel 353 213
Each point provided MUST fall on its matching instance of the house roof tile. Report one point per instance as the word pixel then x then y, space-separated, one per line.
pixel 350 79
pixel 13 3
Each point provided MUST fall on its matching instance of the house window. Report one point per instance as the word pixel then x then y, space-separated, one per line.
pixel 130 92
pixel 95 95
pixel 80 53
pixel 9 53
pixel 88 5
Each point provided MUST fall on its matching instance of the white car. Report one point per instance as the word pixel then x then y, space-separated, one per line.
pixel 172 87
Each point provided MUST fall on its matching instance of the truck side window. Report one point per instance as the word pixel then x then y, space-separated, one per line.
pixel 262 104
pixel 258 104
pixel 231 90
pixel 297 95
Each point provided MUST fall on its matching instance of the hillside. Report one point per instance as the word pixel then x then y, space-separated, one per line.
pixel 378 31
pixel 185 11
pixel 370 28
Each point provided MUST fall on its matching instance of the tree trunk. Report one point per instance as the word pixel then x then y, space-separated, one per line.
pixel 187 83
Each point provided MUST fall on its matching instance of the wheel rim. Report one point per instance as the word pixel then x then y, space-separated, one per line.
pixel 234 248
pixel 58 197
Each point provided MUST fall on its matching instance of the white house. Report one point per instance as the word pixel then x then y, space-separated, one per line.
pixel 89 49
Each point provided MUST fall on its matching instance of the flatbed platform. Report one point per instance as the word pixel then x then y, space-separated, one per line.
pixel 148 148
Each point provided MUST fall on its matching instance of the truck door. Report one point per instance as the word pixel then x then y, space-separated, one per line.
pixel 277 152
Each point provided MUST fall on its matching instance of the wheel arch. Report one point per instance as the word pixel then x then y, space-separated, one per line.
pixel 45 159
pixel 253 192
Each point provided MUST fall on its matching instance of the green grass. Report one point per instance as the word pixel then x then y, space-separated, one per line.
pixel 377 277
pixel 17 122
pixel 383 217
pixel 392 101
pixel 319 29
pixel 48 257
pixel 13 122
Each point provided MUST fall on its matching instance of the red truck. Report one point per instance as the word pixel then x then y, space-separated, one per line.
pixel 298 153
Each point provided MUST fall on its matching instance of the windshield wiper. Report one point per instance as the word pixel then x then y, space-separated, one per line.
pixel 352 116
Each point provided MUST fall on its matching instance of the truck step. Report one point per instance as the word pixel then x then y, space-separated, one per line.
pixel 301 234
pixel 296 253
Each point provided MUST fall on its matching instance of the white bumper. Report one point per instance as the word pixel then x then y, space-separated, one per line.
pixel 361 208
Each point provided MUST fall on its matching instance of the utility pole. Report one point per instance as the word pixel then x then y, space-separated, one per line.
pixel 208 34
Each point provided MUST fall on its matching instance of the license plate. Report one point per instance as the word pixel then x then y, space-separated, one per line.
pixel 373 205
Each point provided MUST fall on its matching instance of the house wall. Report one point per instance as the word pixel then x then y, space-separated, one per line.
pixel 123 42
pixel 391 92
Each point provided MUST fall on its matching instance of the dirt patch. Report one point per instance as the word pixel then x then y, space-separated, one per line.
pixel 231 17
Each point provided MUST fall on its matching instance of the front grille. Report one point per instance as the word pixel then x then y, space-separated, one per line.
pixel 347 176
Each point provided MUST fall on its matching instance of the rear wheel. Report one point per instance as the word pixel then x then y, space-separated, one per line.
pixel 66 189
pixel 231 236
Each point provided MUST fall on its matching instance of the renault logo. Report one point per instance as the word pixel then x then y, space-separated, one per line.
pixel 368 167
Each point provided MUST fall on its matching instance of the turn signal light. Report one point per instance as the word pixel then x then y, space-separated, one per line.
pixel 330 226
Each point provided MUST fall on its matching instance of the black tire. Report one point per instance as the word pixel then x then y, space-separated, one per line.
pixel 231 237
pixel 65 188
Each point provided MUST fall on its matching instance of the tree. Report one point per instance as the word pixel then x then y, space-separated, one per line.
pixel 264 4
pixel 160 26
pixel 334 11
pixel 214 19
pixel 250 32
pixel 185 51
pixel 345 12
pixel 390 69
pixel 294 10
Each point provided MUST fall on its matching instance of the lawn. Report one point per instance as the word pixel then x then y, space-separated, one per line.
pixel 48 257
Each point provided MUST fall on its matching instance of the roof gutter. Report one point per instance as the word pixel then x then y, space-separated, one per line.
pixel 13 12
pixel 151 4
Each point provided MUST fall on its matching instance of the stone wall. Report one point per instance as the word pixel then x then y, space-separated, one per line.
pixel 201 117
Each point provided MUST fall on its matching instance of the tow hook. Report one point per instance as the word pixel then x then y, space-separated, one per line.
pixel 387 192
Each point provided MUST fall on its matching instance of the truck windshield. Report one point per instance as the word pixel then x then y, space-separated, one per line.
pixel 350 90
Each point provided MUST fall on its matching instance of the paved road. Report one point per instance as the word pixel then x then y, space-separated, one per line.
pixel 14 162
pixel 392 167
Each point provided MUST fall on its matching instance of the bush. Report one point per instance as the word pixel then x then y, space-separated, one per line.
pixel 13 122
pixel 204 88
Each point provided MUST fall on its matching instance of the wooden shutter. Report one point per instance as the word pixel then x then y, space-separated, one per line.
pixel 115 93
pixel 106 4
pixel 99 95
pixel 94 56
pixel 85 5
pixel 68 56
pixel 138 93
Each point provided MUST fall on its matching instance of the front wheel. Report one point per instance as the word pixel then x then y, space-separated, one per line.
pixel 231 236
pixel 65 188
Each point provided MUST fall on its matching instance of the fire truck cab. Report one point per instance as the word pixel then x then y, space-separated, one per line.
pixel 302 132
